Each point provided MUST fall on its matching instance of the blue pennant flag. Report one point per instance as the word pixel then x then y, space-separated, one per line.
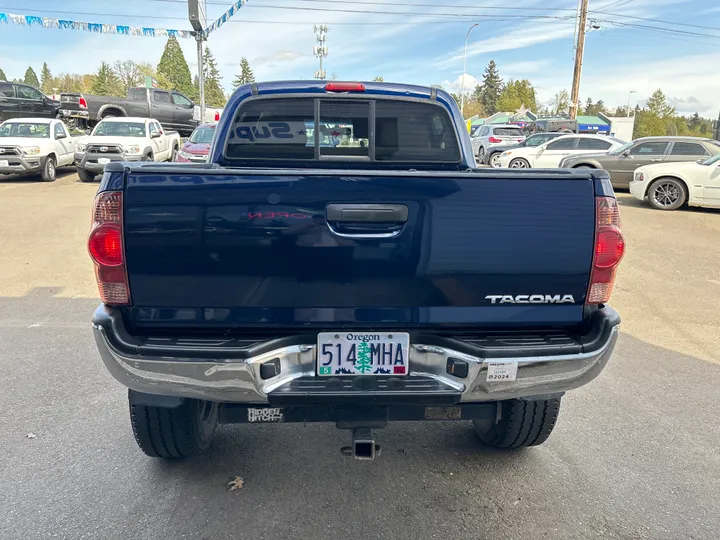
pixel 148 32
pixel 31 19
pixel 94 27
pixel 121 29
pixel 3 17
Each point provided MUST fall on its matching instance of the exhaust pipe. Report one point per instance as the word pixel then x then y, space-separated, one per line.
pixel 363 444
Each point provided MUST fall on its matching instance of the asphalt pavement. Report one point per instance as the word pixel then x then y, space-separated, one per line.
pixel 634 455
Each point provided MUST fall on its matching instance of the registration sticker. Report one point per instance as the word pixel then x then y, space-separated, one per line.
pixel 501 371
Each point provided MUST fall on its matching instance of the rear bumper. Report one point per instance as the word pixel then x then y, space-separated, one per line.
pixel 72 113
pixel 225 374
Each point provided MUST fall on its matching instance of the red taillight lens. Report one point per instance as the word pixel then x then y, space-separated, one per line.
pixel 217 116
pixel 82 103
pixel 494 140
pixel 609 250
pixel 106 248
pixel 344 87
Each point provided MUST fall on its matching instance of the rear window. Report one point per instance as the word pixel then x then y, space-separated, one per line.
pixel 508 132
pixel 286 129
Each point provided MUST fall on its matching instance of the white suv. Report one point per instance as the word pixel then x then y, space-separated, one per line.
pixel 495 135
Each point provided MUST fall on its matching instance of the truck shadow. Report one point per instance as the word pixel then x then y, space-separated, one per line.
pixel 35 178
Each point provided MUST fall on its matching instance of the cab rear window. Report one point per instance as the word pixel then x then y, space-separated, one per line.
pixel 340 129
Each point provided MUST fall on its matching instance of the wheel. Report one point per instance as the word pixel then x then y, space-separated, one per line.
pixel 495 160
pixel 85 175
pixel 149 157
pixel 177 432
pixel 667 194
pixel 109 115
pixel 48 174
pixel 519 163
pixel 481 154
pixel 521 424
pixel 173 154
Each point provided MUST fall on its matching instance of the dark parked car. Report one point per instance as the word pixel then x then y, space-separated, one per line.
pixel 553 125
pixel 172 109
pixel 493 154
pixel 19 100
pixel 622 162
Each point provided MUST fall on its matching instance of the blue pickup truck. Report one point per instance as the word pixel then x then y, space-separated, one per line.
pixel 341 259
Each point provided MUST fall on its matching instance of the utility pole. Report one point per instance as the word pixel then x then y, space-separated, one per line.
pixel 197 11
pixel 320 50
pixel 462 88
pixel 579 49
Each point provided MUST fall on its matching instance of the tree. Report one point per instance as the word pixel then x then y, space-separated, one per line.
pixel 106 82
pixel 363 359
pixel 561 102
pixel 656 118
pixel 378 78
pixel 128 74
pixel 147 70
pixel 3 77
pixel 31 78
pixel 246 74
pixel 46 79
pixel 490 89
pixel 589 107
pixel 174 67
pixel 214 95
pixel 516 94
pixel 658 105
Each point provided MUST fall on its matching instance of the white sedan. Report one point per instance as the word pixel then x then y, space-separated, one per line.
pixel 668 186
pixel 550 154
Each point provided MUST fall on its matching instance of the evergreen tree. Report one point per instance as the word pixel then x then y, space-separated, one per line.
pixel 106 82
pixel 214 95
pixel 3 77
pixel 599 107
pixel 658 105
pixel 246 74
pixel 174 68
pixel 491 88
pixel 589 107
pixel 516 94
pixel 31 78
pixel 378 78
pixel 46 79
pixel 363 362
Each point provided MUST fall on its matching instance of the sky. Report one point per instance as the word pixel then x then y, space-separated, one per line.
pixel 412 41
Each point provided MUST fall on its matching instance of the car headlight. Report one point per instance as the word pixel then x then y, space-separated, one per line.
pixel 186 155
pixel 133 149
pixel 31 150
pixel 81 148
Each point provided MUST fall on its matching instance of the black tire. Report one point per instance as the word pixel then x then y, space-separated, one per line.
pixel 519 163
pixel 481 154
pixel 85 175
pixel 583 167
pixel 49 170
pixel 148 157
pixel 178 432
pixel 667 194
pixel 494 156
pixel 522 423
pixel 173 154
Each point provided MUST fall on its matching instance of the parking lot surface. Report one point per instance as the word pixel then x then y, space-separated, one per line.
pixel 634 455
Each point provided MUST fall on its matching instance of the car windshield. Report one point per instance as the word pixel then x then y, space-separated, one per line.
pixel 24 129
pixel 119 129
pixel 712 160
pixel 202 135
pixel 621 149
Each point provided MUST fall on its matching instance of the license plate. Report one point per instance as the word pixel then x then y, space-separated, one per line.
pixel 360 353
pixel 4 163
pixel 103 160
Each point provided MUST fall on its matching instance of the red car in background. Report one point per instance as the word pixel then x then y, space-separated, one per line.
pixel 196 149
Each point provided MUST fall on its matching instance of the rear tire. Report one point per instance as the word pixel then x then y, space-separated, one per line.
pixel 519 163
pixel 481 154
pixel 521 424
pixel 49 171
pixel 85 175
pixel 177 432
pixel 173 154
pixel 149 157
pixel 667 194
pixel 494 160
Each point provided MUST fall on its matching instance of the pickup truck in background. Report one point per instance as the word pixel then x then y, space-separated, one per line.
pixel 172 109
pixel 124 140
pixel 377 277
pixel 35 146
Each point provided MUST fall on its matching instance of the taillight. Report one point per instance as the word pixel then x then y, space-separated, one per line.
pixel 609 250
pixel 83 103
pixel 217 116
pixel 344 87
pixel 106 248
pixel 494 140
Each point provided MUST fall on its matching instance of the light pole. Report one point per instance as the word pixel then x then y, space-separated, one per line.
pixel 462 87
pixel 629 96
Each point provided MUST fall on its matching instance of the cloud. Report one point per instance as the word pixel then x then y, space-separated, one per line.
pixel 279 56
pixel 457 85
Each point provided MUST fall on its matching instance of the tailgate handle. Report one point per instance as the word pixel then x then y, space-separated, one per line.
pixel 367 213
pixel 366 220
